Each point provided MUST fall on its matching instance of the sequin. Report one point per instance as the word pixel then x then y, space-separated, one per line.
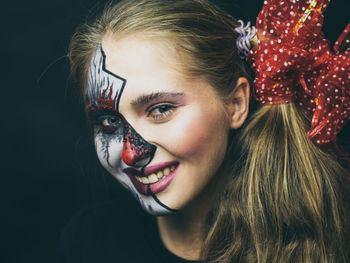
pixel 306 72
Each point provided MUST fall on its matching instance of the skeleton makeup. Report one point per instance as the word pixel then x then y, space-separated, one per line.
pixel 121 149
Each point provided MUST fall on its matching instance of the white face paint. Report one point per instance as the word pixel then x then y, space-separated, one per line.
pixel 120 149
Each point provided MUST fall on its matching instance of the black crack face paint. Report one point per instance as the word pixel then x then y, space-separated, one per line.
pixel 120 149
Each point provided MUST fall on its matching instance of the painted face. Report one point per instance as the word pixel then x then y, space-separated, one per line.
pixel 163 136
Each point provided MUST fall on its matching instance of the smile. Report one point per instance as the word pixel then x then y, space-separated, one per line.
pixel 156 177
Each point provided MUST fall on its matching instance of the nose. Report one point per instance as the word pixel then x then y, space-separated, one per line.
pixel 137 152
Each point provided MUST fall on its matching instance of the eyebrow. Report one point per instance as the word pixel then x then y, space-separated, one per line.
pixel 147 98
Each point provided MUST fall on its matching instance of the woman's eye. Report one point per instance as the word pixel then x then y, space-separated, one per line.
pixel 160 112
pixel 109 124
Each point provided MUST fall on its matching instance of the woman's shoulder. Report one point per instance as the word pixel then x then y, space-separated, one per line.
pixel 112 231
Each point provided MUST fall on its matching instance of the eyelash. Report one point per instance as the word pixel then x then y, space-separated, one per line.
pixel 162 115
pixel 110 128
pixel 108 124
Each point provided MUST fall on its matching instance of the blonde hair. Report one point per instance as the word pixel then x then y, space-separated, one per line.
pixel 202 33
pixel 287 200
pixel 284 199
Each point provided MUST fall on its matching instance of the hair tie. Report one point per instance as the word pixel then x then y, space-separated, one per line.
pixel 294 63
pixel 246 33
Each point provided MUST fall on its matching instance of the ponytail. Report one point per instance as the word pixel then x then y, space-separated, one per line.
pixel 287 199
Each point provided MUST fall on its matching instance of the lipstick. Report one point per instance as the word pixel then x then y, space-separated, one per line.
pixel 155 179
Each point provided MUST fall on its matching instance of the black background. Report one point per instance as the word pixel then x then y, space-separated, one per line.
pixel 48 164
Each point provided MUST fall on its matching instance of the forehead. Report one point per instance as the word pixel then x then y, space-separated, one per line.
pixel 140 66
pixel 146 64
pixel 135 50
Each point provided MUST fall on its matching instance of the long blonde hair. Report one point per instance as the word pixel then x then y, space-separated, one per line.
pixel 284 199
pixel 288 200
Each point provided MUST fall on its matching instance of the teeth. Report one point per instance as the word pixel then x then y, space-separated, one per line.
pixel 144 180
pixel 155 177
pixel 160 174
pixel 166 171
pixel 138 178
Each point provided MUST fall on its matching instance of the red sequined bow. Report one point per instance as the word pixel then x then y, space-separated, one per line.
pixel 293 62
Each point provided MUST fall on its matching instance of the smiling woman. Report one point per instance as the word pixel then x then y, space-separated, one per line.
pixel 167 93
pixel 165 106
pixel 169 104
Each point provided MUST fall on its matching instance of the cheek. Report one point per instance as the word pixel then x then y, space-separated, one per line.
pixel 195 134
pixel 109 150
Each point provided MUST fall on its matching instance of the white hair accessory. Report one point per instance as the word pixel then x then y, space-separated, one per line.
pixel 246 33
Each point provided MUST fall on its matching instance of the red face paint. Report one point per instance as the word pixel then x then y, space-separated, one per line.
pixel 136 151
pixel 104 102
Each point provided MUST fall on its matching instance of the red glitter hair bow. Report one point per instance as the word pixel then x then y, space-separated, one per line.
pixel 293 62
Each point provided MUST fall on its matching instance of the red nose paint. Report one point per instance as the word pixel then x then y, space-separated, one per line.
pixel 135 148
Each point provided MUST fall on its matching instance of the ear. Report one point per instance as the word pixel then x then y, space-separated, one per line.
pixel 238 103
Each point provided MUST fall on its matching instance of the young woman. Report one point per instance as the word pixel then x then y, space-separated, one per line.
pixel 167 93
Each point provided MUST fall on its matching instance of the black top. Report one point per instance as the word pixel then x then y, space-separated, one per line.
pixel 111 233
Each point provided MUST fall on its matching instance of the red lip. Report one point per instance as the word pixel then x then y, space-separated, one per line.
pixel 156 167
pixel 147 189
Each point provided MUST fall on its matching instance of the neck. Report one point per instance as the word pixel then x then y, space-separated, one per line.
pixel 183 233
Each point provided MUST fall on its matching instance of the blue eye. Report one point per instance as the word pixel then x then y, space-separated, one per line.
pixel 160 112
